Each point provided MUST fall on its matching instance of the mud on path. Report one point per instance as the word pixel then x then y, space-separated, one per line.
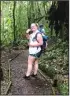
pixel 20 86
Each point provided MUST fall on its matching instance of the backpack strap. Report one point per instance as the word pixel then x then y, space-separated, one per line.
pixel 36 37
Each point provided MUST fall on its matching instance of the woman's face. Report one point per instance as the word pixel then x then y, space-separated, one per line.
pixel 33 27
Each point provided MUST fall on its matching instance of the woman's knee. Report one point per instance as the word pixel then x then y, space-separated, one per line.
pixel 30 59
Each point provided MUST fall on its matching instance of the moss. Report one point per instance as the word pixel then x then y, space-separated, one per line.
pixel 63 88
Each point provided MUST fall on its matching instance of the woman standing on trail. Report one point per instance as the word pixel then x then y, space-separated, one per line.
pixel 34 51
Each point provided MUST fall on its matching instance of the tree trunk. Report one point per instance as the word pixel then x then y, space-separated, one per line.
pixel 62 31
pixel 14 27
pixel 1 72
pixel 28 14
pixel 51 30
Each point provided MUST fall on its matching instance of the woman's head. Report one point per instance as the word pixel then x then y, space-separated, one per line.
pixel 34 27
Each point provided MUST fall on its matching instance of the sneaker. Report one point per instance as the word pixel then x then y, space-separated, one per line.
pixel 26 77
pixel 34 75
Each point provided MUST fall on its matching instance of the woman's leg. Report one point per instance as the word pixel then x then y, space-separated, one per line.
pixel 35 66
pixel 31 59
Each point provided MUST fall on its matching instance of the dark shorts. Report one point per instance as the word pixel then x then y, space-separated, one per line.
pixel 37 55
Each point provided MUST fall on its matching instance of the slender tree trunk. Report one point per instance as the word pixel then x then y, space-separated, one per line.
pixel 51 27
pixel 62 31
pixel 0 46
pixel 51 30
pixel 1 72
pixel 28 13
pixel 14 27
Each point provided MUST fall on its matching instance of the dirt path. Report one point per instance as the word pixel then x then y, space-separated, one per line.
pixel 20 86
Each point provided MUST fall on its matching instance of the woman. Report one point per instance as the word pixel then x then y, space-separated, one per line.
pixel 34 51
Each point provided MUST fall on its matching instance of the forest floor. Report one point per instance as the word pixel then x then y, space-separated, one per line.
pixel 20 86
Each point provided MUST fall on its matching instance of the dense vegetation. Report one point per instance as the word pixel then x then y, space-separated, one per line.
pixel 55 64
pixel 16 17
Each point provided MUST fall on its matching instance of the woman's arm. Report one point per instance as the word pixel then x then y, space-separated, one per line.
pixel 39 41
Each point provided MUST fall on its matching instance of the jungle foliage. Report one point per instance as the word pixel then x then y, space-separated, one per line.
pixel 16 17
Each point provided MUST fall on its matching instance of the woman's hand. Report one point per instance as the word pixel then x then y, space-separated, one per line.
pixel 27 36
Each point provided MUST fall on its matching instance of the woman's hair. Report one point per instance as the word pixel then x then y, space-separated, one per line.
pixel 37 24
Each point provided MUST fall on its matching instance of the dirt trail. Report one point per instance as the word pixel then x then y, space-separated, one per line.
pixel 20 86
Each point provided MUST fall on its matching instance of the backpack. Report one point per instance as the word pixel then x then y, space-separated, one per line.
pixel 41 30
pixel 45 38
